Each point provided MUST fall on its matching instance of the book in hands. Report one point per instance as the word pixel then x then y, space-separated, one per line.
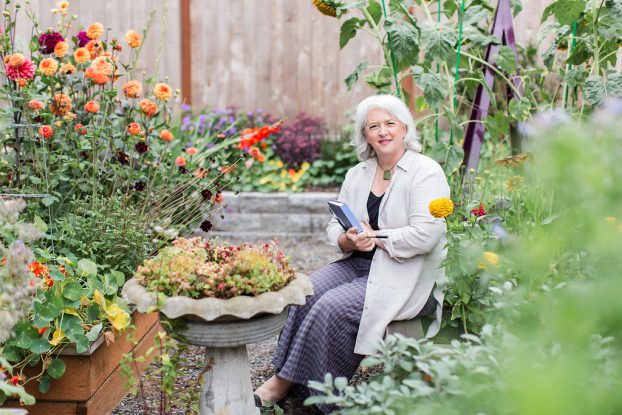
pixel 344 215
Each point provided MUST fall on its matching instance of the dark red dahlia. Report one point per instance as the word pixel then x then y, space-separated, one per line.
pixel 140 186
pixel 123 158
pixel 49 40
pixel 141 147
pixel 206 193
pixel 206 226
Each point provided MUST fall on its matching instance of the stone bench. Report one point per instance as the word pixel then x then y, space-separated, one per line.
pixel 412 328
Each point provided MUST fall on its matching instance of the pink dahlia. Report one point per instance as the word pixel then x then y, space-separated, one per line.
pixel 49 40
pixel 25 71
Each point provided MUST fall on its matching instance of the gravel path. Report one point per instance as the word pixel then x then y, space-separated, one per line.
pixel 307 255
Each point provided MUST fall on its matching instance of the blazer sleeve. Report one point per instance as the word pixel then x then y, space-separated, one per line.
pixel 334 228
pixel 424 231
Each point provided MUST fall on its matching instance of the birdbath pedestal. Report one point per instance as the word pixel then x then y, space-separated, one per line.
pixel 225 380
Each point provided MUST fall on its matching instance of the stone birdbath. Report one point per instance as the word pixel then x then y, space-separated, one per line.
pixel 224 327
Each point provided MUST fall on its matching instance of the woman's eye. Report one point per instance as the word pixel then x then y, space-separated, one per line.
pixel 373 127
pixel 391 123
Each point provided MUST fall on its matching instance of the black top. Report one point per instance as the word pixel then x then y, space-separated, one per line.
pixel 373 207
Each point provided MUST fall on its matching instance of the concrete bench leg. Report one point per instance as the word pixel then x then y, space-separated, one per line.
pixel 226 383
pixel 408 328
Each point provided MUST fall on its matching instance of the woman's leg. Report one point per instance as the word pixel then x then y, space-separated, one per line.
pixel 323 280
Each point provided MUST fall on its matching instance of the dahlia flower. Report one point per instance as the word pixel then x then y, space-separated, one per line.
pixel 133 39
pixel 132 89
pixel 83 38
pixel 162 91
pixel 148 107
pixel 48 66
pixel 49 40
pixel 95 31
pixel 25 71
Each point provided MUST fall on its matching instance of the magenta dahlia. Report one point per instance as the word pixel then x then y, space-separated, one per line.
pixel 25 71
pixel 83 38
pixel 49 40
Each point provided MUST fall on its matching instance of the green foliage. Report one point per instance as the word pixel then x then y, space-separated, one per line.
pixel 112 232
pixel 196 269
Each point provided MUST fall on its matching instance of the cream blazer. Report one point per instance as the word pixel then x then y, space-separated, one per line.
pixel 402 277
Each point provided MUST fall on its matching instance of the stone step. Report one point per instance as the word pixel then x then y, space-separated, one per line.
pixel 273 214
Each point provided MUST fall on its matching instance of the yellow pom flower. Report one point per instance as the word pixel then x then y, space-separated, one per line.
pixel 441 208
pixel 490 259
pixel 325 7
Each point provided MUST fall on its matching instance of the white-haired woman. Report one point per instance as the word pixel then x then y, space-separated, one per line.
pixel 378 280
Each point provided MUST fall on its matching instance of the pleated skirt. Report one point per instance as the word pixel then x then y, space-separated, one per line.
pixel 319 337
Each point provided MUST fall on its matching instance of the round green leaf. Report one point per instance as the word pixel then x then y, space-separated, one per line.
pixel 39 346
pixel 72 291
pixel 56 369
pixel 88 267
pixel 44 384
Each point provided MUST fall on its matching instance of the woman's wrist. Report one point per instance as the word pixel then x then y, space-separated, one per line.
pixel 343 243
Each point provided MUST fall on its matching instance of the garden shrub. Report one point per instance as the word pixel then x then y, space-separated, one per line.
pixel 299 140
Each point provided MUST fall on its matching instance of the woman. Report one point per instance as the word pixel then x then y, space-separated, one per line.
pixel 378 280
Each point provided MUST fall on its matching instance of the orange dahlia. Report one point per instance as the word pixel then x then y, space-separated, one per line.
pixel 180 161
pixel 82 55
pixel 14 61
pixel 95 48
pixel 133 39
pixel 67 68
pixel 103 66
pixel 45 131
pixel 98 78
pixel 91 106
pixel 162 91
pixel 61 105
pixel 61 49
pixel 134 128
pixel 166 135
pixel 48 66
pixel 36 105
pixel 148 107
pixel 132 89
pixel 95 31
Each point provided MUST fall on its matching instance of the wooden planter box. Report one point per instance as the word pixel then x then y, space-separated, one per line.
pixel 93 383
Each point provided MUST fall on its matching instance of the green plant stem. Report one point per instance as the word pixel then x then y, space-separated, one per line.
pixel 495 70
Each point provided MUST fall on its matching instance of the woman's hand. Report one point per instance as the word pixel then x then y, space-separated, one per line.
pixel 352 241
pixel 372 233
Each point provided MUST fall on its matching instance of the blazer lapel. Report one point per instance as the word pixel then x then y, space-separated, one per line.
pixel 403 164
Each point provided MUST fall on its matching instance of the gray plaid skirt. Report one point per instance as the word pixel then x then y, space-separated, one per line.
pixel 319 336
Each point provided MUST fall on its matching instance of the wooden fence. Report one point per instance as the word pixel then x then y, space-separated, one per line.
pixel 279 55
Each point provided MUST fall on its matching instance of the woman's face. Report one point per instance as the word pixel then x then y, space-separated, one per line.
pixel 384 132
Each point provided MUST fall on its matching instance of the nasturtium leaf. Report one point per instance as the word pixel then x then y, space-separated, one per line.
pixel 119 277
pixel 506 60
pixel 49 309
pixel 57 276
pixel 354 76
pixel 57 337
pixel 25 337
pixel 93 313
pixel 44 384
pixel 71 326
pixel 72 290
pixel 87 267
pixel 82 343
pixel 56 368
pixel 94 332
pixel 40 345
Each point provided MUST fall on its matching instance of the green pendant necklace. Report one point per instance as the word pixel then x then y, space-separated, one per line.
pixel 386 175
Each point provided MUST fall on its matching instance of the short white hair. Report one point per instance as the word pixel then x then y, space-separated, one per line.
pixel 394 106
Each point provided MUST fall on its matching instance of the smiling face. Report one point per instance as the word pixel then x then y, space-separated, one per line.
pixel 385 133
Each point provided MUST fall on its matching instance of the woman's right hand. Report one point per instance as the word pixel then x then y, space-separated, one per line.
pixel 351 241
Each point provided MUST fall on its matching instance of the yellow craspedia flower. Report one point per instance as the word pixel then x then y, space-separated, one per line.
pixel 514 183
pixel 441 208
pixel 490 259
pixel 325 7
